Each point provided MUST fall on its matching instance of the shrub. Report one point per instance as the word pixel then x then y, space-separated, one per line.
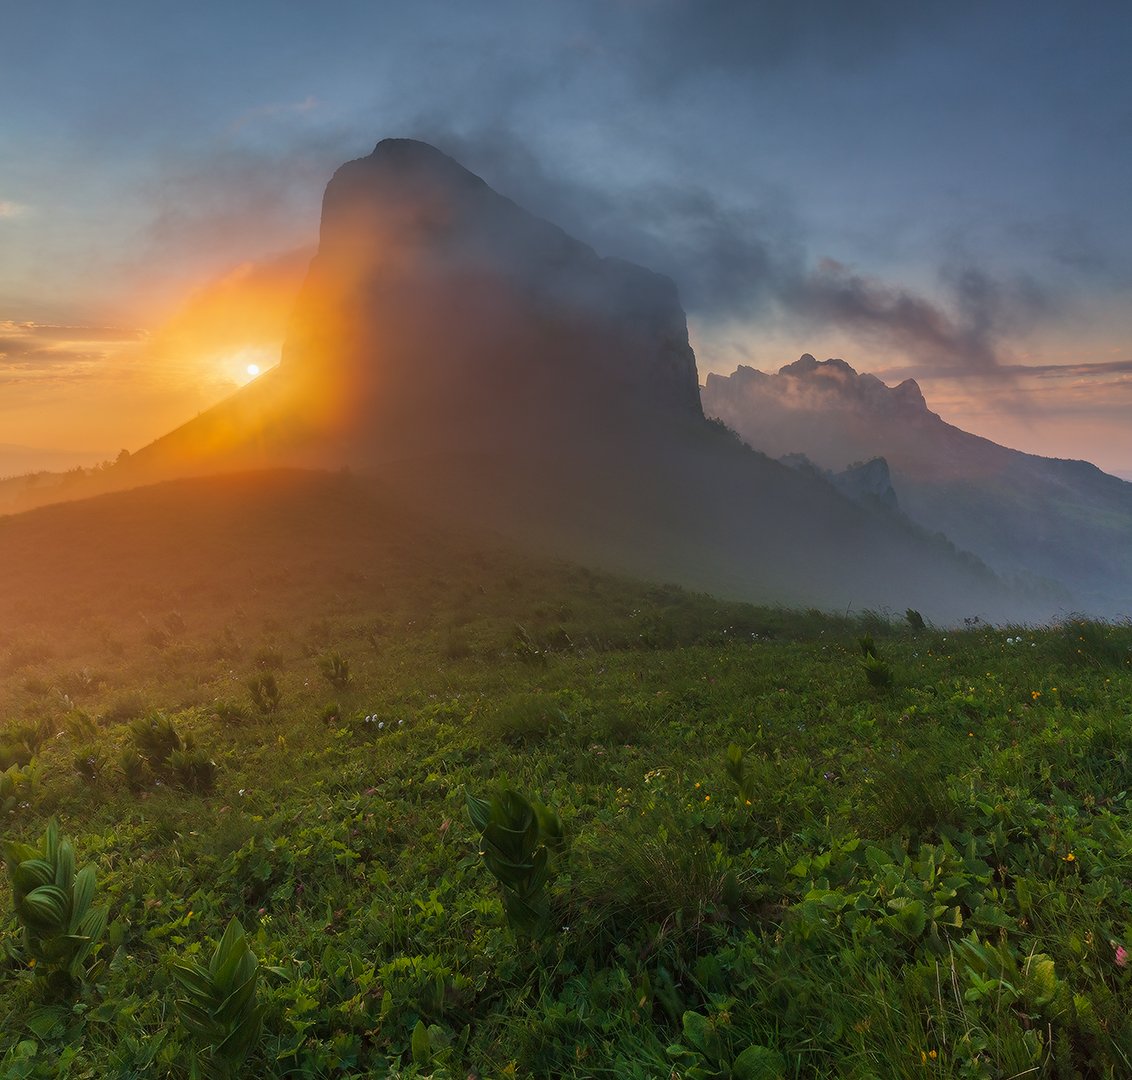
pixel 335 670
pixel 12 780
pixel 52 904
pixel 523 646
pixel 877 672
pixel 517 836
pixel 155 737
pixel 89 764
pixel 193 770
pixel 219 1007
pixel 135 770
pixel 230 712
pixel 265 692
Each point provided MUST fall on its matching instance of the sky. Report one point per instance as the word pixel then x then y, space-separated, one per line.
pixel 934 190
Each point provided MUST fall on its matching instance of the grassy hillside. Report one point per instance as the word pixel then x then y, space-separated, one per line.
pixel 779 857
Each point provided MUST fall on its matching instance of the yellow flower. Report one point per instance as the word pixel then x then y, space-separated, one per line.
pixel 1035 694
pixel 707 798
pixel 1070 857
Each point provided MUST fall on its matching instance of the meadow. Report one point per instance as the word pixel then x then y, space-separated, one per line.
pixel 484 814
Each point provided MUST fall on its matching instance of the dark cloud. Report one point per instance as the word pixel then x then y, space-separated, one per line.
pixel 677 40
pixel 749 262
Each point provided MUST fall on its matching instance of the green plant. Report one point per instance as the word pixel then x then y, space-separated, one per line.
pixel 265 692
pixel 335 670
pixel 135 770
pixel 52 904
pixel 230 712
pixel 523 646
pixel 331 714
pixel 705 1052
pixel 192 769
pixel 11 780
pixel 737 771
pixel 517 837
pixel 915 620
pixel 155 737
pixel 89 764
pixel 219 1006
pixel 877 672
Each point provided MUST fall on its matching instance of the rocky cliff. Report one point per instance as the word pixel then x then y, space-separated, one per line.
pixel 433 296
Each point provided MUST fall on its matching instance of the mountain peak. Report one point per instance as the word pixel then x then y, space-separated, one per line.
pixel 441 315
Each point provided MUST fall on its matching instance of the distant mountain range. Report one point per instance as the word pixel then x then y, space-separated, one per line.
pixel 1031 518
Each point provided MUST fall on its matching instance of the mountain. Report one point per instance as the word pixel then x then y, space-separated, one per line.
pixel 1027 516
pixel 484 366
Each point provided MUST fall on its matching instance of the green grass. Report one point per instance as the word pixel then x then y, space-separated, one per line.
pixel 928 878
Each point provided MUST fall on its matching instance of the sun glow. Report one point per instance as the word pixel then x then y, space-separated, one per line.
pixel 248 363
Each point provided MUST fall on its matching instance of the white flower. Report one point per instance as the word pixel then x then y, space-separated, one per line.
pixel 381 726
pixel 243 791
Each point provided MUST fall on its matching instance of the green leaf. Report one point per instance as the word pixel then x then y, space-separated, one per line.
pixel 479 810
pixel 422 1050
pixel 701 1033
pixel 759 1063
pixel 46 907
pixel 82 892
pixel 196 981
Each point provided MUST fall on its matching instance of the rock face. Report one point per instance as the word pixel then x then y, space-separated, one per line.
pixel 1030 517
pixel 432 295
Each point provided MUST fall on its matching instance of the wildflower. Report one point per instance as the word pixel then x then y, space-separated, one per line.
pixel 1121 957
pixel 1070 857
pixel 707 798
pixel 381 725
pixel 1035 694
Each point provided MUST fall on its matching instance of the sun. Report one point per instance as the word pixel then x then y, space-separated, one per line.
pixel 252 370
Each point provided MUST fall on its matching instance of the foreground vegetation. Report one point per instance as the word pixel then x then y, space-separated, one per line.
pixel 717 840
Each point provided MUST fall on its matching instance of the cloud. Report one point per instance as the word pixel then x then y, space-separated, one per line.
pixel 31 350
pixel 677 41
pixel 749 262
pixel 10 209
pixel 1091 370
pixel 276 111
pixel 969 337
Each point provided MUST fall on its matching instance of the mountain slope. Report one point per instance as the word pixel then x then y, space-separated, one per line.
pixel 1065 521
